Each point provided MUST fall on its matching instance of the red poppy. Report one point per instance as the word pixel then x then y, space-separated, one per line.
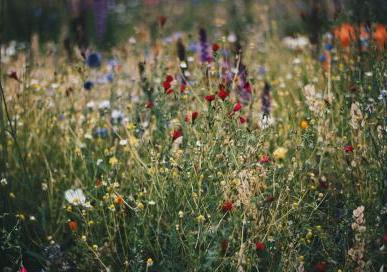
pixel 223 94
pixel 169 91
pixel 169 78
pixel 224 245
pixel 247 87
pixel 73 225
pixel 166 85
pixel 237 107
pixel 98 183
pixel 194 115
pixel 242 119
pixel 323 184
pixel 320 267
pixel 227 206
pixel 13 75
pixel 182 87
pixel 119 200
pixel 260 246
pixel 149 104
pixel 162 20
pixel 176 134
pixel 270 198
pixel 264 159
pixel 345 33
pixel 209 98
pixel 215 47
pixel 348 148
pixel 380 35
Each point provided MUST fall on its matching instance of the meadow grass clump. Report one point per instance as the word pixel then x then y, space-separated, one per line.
pixel 220 156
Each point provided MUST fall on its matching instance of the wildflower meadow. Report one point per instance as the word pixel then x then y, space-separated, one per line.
pixel 194 136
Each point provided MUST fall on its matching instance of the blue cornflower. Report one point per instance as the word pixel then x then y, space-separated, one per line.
pixel 88 85
pixel 94 60
pixel 101 132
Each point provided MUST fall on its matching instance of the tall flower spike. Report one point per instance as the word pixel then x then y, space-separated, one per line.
pixel 181 54
pixel 204 55
pixel 180 50
pixel 266 99
pixel 244 87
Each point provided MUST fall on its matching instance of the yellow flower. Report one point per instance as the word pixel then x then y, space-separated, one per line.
pixel 131 126
pixel 304 124
pixel 200 218
pixel 140 205
pixel 149 262
pixel 280 153
pixel 21 216
pixel 113 161
pixel 133 140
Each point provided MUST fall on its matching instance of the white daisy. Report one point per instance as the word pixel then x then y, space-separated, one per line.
pixel 75 197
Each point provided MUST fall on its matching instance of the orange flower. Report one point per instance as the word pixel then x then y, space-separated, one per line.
pixel 345 33
pixel 380 35
pixel 73 225
pixel 119 200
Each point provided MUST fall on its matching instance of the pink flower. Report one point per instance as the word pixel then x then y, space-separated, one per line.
pixel 23 269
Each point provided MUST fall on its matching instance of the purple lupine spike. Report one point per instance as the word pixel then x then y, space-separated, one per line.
pixel 266 99
pixel 244 87
pixel 204 55
pixel 226 69
pixel 100 13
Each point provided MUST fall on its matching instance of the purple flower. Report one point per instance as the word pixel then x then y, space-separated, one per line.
pixel 266 99
pixel 204 55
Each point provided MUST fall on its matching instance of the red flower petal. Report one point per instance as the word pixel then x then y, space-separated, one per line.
pixel 237 107
pixel 215 47
pixel 166 85
pixel 149 104
pixel 195 115
pixel 348 148
pixel 209 98
pixel 242 119
pixel 176 134
pixel 264 159
pixel 260 246
pixel 320 267
pixel 169 78
pixel 223 94
pixel 227 206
